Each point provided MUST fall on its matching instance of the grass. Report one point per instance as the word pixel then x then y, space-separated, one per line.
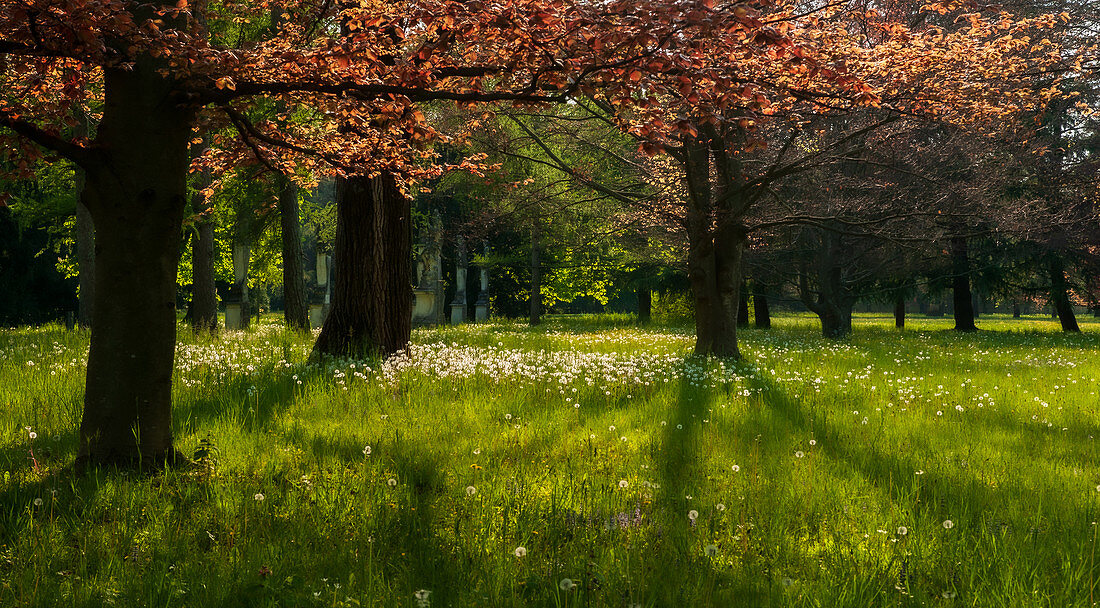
pixel 813 474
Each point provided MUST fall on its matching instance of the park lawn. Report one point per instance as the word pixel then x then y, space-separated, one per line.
pixel 584 463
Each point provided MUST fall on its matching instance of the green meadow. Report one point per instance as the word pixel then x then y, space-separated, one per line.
pixel 588 462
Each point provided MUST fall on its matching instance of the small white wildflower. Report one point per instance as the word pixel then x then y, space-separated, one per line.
pixel 693 515
pixel 392 482
pixel 471 490
pixel 623 484
pixel 720 507
pixel 38 502
pixel 566 584
pixel 32 435
pixel 799 454
pixel 902 530
pixel 735 468
pixel 259 497
pixel 520 551
pixel 507 416
pixel 947 523
pixel 366 451
pixel 813 442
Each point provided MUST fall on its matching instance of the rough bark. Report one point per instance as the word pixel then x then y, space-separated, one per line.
pixel 1059 295
pixel 137 196
pixel 760 304
pixel 960 286
pixel 534 297
pixel 371 311
pixel 295 307
pixel 899 312
pixel 645 305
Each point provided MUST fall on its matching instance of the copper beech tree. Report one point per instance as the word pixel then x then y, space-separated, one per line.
pixel 152 68
pixel 718 123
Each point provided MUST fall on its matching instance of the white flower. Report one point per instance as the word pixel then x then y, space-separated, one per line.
pixel 735 468
pixel 720 507
pixel 693 515
pixel 366 451
pixel 623 484
pixel 947 523
pixel 902 530
pixel 38 502
pixel 799 454
pixel 611 428
pixel 507 416
pixel 711 550
pixel 471 490
pixel 422 595
pixel 566 584
pixel 259 497
pixel 392 482
pixel 813 442
pixel 32 435
pixel 520 551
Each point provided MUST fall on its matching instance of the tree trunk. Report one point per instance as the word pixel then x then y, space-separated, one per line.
pixel 645 305
pixel 833 304
pixel 899 312
pixel 1015 309
pixel 204 297
pixel 960 286
pixel 743 305
pixel 534 297
pixel 295 307
pixel 85 254
pixel 760 305
pixel 137 188
pixel 371 311
pixel 1059 295
pixel 836 320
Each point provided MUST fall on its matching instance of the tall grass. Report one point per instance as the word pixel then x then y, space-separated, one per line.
pixel 915 468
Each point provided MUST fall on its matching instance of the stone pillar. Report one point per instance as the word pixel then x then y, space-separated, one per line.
pixel 481 313
pixel 428 293
pixel 236 301
pixel 458 305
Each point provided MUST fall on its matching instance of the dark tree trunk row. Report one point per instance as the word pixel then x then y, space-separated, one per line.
pixel 743 306
pixel 899 312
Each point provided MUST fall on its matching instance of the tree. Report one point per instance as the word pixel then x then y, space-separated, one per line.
pixel 158 67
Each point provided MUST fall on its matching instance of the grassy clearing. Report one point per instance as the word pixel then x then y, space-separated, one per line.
pixel 914 468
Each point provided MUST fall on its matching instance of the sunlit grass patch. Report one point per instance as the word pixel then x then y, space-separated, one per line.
pixel 905 468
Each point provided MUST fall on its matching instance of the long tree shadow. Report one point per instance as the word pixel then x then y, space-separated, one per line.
pixel 680 552
pixel 997 513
